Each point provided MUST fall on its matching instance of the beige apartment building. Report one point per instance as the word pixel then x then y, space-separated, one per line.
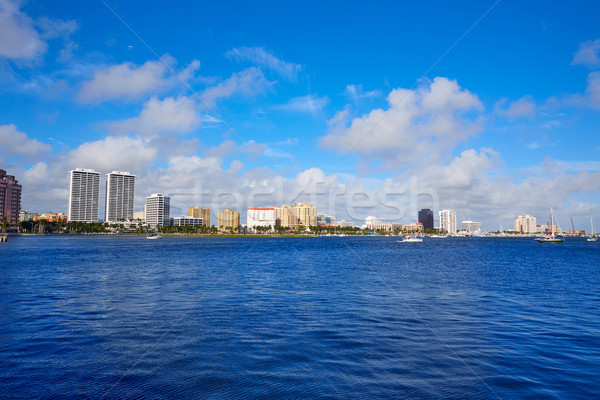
pixel 228 219
pixel 294 215
pixel 199 212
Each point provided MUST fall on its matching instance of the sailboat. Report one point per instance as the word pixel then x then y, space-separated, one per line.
pixel 592 237
pixel 551 238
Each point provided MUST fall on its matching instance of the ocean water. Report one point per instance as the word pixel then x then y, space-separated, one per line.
pixel 298 318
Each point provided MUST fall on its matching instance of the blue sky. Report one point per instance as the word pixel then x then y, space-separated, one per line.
pixel 333 103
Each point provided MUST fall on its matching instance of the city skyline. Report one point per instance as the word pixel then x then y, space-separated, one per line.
pixel 236 112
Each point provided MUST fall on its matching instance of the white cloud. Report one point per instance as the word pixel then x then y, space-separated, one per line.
pixel 124 81
pixel 264 59
pixel 588 54
pixel 15 143
pixel 355 92
pixel 523 108
pixel 113 153
pixel 248 83
pixel 129 81
pixel 170 115
pixel 18 37
pixel 424 122
pixel 306 104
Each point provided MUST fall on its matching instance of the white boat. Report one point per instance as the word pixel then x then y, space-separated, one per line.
pixel 411 239
pixel 550 238
pixel 592 237
pixel 439 236
pixel 154 236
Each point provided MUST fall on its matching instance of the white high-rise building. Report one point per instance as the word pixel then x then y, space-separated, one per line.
pixel 119 196
pixel 157 210
pixel 84 188
pixel 448 221
pixel 261 217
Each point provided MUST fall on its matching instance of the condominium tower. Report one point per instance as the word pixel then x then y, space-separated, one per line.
pixel 228 219
pixel 525 224
pixel 10 198
pixel 158 208
pixel 84 187
pixel 119 196
pixel 199 212
pixel 447 221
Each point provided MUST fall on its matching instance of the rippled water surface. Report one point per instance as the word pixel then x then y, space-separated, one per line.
pixel 365 317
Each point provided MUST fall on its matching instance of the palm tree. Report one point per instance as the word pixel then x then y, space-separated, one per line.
pixel 5 224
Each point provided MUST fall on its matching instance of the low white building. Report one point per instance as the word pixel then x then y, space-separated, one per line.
pixel 371 221
pixel 471 226
pixel 187 220
pixel 260 217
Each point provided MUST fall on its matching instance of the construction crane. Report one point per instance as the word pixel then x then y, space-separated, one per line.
pixel 572 225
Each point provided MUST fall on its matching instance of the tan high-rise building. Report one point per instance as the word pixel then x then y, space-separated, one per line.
pixel 228 219
pixel 199 212
pixel 299 214
pixel 525 224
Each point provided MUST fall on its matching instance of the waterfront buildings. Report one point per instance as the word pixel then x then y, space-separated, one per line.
pixel 139 215
pixel 261 217
pixel 471 227
pixel 426 218
pixel 228 220
pixel 10 198
pixel 325 220
pixel 157 210
pixel 413 227
pixel 371 221
pixel 84 188
pixel 525 224
pixel 119 196
pixel 199 212
pixel 346 224
pixel 187 220
pixel 294 215
pixel 447 221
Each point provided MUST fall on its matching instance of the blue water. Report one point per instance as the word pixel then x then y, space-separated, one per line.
pixel 298 318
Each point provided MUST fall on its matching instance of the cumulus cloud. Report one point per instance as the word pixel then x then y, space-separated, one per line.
pixel 588 54
pixel 356 92
pixel 427 121
pixel 114 153
pixel 248 83
pixel 264 59
pixel 129 81
pixel 522 108
pixel 15 143
pixel 310 104
pixel 18 37
pixel 170 115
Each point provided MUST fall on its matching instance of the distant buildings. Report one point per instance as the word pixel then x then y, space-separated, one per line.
pixel 346 224
pixel 371 221
pixel 426 218
pixel 526 224
pixel 471 227
pixel 199 212
pixel 228 220
pixel 157 210
pixel 187 220
pixel 324 219
pixel 140 215
pixel 119 196
pixel 84 187
pixel 447 221
pixel 261 217
pixel 10 198
pixel 291 216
